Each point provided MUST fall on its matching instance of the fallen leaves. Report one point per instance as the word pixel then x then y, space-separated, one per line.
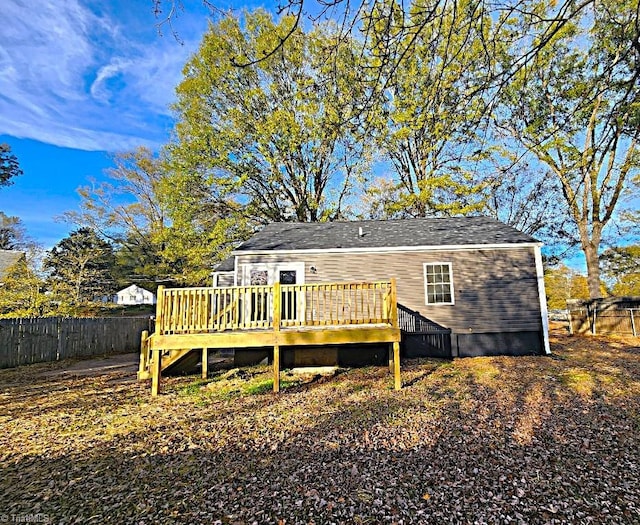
pixel 486 440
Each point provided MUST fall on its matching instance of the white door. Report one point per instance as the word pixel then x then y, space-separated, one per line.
pixel 292 302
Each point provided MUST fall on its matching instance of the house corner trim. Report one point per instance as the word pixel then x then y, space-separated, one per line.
pixel 543 299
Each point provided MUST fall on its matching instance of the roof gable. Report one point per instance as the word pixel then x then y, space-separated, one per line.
pixel 414 233
pixel 228 265
pixel 132 288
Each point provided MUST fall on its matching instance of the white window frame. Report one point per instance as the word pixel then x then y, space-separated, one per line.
pixel 424 278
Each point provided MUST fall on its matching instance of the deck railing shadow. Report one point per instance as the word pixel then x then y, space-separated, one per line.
pixel 421 335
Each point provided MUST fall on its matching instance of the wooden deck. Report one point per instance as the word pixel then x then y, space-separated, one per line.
pixel 190 319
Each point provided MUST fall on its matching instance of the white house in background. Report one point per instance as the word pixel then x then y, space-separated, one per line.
pixel 134 294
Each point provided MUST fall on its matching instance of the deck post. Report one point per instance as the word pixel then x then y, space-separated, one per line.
pixel 156 372
pixel 391 369
pixel 276 368
pixel 397 380
pixel 159 310
pixel 144 355
pixel 205 363
pixel 277 298
pixel 394 303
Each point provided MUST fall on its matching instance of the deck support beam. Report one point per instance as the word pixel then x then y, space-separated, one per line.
pixel 397 380
pixel 391 369
pixel 205 363
pixel 277 317
pixel 156 372
pixel 276 368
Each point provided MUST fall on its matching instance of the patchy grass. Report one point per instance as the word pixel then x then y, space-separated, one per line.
pixel 485 440
pixel 251 381
pixel 266 386
pixel 580 381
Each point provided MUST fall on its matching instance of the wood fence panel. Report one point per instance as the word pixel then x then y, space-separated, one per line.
pixel 613 315
pixel 33 340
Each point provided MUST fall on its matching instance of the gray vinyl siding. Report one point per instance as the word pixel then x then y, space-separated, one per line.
pixel 225 279
pixel 495 290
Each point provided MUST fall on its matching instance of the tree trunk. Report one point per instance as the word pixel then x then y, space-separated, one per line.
pixel 593 269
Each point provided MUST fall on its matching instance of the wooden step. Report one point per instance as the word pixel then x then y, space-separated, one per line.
pixel 181 361
pixel 176 361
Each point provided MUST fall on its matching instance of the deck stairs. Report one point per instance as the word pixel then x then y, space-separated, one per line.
pixel 173 361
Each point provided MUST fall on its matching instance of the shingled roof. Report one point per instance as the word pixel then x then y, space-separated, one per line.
pixel 7 259
pixel 428 232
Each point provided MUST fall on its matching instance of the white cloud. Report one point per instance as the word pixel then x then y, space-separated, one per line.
pixel 73 77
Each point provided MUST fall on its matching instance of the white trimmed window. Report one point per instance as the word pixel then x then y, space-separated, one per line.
pixel 438 283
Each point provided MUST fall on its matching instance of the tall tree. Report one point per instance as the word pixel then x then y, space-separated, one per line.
pixel 22 293
pixel 13 235
pixel 577 110
pixel 429 124
pixel 80 268
pixel 129 210
pixel 354 17
pixel 9 165
pixel 272 135
pixel 138 210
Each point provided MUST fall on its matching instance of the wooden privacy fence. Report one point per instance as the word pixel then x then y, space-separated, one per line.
pixel 613 315
pixel 39 339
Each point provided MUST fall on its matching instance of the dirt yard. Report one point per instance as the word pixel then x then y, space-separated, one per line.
pixel 484 440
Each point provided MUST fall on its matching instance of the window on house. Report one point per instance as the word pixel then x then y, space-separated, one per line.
pixel 438 284
pixel 258 277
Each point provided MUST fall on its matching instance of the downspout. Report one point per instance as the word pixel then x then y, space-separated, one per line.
pixel 543 298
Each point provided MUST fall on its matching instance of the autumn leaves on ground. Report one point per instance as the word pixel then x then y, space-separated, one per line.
pixel 484 440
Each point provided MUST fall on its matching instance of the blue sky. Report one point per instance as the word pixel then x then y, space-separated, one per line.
pixel 80 80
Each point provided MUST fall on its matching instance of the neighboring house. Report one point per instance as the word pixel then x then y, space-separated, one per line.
pixel 8 259
pixel 133 295
pixel 474 282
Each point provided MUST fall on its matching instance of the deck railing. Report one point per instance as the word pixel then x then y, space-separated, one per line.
pixel 205 310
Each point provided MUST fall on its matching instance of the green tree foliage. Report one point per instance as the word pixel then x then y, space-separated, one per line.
pixel 428 124
pixel 577 109
pixel 271 137
pixel 621 268
pixel 80 269
pixel 129 210
pixel 9 165
pixel 22 293
pixel 158 237
pixel 410 21
pixel 562 283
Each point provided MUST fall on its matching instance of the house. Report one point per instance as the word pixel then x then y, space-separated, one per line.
pixel 8 259
pixel 349 292
pixel 134 295
pixel 466 286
